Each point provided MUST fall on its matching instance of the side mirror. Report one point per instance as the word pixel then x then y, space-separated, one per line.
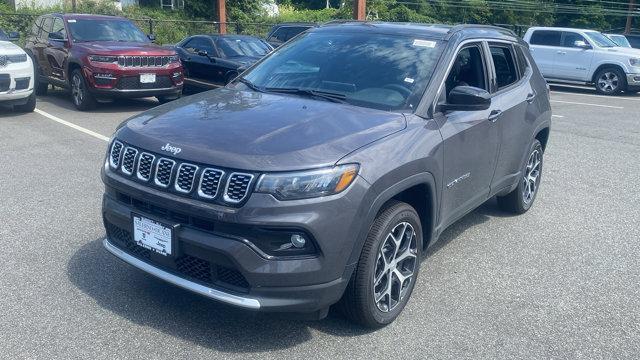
pixel 14 36
pixel 467 98
pixel 57 36
pixel 206 54
pixel 151 37
pixel 581 44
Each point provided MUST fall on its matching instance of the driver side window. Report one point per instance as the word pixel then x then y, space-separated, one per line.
pixel 467 70
pixel 200 44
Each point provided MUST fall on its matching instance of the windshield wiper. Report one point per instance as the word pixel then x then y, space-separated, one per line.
pixel 249 84
pixel 326 95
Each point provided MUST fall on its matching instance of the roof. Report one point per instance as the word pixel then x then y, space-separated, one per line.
pixel 558 28
pixel 436 31
pixel 88 16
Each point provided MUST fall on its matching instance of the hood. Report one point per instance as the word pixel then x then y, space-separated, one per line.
pixel 257 131
pixel 9 48
pixel 123 48
pixel 624 50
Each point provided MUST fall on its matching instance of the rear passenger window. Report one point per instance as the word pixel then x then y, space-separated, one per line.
pixel 467 70
pixel 503 61
pixel 523 63
pixel 546 37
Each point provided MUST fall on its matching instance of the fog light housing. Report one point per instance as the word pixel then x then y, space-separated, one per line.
pixel 298 240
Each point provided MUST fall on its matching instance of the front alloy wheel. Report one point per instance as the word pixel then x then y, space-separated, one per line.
pixel 387 269
pixel 610 81
pixel 82 98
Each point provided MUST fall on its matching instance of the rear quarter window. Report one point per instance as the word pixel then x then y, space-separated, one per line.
pixel 546 37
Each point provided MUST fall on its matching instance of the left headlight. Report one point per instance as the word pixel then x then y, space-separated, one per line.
pixel 308 184
pixel 174 58
pixel 17 58
pixel 634 61
pixel 103 58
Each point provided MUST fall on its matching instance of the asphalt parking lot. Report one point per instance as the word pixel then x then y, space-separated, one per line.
pixel 562 281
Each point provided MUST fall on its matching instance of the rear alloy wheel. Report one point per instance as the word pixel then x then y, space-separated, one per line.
pixel 387 270
pixel 520 200
pixel 82 98
pixel 610 81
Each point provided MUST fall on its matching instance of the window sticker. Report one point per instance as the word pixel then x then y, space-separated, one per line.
pixel 71 20
pixel 424 43
pixel 409 80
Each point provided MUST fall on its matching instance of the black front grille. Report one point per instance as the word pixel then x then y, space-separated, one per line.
pixel 116 150
pixel 195 267
pixel 5 82
pixel 128 160
pixel 144 166
pixel 187 264
pixel 186 175
pixel 133 83
pixel 143 61
pixel 237 187
pixel 163 172
pixel 210 182
pixel 100 81
pixel 4 59
pixel 22 83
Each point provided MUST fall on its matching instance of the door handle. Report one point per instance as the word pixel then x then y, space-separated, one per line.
pixel 562 52
pixel 530 97
pixel 495 115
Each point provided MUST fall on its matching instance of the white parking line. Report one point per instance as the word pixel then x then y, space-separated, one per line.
pixel 73 126
pixel 587 104
pixel 597 96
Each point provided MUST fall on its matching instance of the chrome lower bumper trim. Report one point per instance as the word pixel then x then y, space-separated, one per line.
pixel 231 299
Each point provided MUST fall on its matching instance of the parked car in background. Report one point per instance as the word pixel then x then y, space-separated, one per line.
pixel 323 173
pixel 9 36
pixel 580 56
pixel 101 57
pixel 283 32
pixel 210 61
pixel 634 40
pixel 16 76
pixel 619 39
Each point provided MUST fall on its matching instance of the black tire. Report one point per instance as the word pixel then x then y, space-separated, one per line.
pixel 29 106
pixel 516 201
pixel 80 95
pixel 358 302
pixel 610 81
pixel 41 86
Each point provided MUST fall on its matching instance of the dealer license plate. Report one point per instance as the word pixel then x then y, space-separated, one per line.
pixel 152 235
pixel 147 78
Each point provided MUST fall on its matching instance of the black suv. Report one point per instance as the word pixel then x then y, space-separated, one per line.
pixel 323 173
pixel 283 32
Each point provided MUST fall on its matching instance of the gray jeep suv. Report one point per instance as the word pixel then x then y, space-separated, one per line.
pixel 322 174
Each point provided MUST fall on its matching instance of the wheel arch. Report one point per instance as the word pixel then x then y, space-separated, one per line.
pixel 542 135
pixel 604 66
pixel 73 65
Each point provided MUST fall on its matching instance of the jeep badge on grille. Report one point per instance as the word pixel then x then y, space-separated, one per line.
pixel 172 149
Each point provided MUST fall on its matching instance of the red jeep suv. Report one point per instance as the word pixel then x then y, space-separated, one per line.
pixel 101 57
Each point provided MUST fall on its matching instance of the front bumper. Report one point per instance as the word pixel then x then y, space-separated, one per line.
pixel 17 74
pixel 633 81
pixel 301 284
pixel 115 82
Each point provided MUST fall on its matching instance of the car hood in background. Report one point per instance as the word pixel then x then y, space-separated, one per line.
pixel 9 48
pixel 258 131
pixel 124 48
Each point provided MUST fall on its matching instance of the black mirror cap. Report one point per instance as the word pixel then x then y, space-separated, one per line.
pixel 14 36
pixel 468 98
pixel 152 37
pixel 56 36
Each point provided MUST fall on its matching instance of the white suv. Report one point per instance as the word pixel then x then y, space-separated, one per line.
pixel 580 56
pixel 16 77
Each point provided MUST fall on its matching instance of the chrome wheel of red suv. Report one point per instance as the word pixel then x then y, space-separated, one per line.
pixel 82 99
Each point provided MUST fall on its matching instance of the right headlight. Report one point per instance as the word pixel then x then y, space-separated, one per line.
pixel 308 184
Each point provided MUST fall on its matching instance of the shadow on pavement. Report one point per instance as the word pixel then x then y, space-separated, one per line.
pixel 589 90
pixel 147 301
pixel 62 99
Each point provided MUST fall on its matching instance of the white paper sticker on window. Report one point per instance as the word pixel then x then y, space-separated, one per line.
pixel 424 43
pixel 71 20
pixel 409 80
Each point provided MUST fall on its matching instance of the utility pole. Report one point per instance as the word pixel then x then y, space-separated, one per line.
pixel 359 7
pixel 222 16
pixel 627 28
pixel 73 6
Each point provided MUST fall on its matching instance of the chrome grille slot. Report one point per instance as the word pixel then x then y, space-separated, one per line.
pixel 209 183
pixel 114 156
pixel 164 168
pixel 185 177
pixel 237 187
pixel 129 160
pixel 144 166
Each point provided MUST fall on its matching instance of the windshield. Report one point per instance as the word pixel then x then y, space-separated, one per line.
pixel 600 39
pixel 105 30
pixel 620 40
pixel 233 47
pixel 388 72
